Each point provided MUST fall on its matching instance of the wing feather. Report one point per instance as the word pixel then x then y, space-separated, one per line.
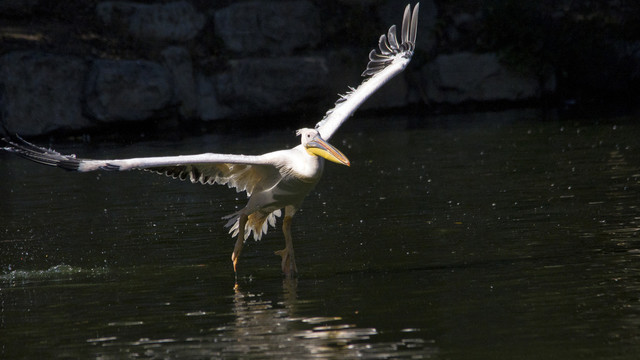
pixel 391 36
pixel 391 59
pixel 405 25
pixel 383 45
pixel 242 172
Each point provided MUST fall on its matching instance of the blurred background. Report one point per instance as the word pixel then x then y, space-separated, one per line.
pixel 155 67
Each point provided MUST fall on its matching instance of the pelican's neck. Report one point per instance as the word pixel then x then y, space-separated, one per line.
pixel 306 165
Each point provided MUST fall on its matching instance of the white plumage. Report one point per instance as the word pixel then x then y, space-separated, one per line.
pixel 392 58
pixel 273 181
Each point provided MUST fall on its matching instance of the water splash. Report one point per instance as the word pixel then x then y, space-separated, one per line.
pixel 61 271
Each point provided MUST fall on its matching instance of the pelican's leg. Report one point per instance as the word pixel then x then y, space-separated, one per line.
pixel 242 221
pixel 288 258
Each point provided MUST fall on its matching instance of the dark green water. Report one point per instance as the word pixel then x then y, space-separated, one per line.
pixel 495 235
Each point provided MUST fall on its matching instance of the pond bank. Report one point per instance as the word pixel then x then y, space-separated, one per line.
pixel 84 66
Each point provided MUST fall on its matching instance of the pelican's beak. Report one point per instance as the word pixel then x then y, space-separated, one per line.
pixel 319 147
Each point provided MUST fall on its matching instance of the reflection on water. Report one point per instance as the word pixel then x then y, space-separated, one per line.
pixel 262 328
pixel 493 235
pixel 273 323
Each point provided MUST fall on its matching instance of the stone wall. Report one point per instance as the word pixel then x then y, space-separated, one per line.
pixel 80 64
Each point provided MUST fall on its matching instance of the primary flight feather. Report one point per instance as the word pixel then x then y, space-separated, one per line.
pixel 273 181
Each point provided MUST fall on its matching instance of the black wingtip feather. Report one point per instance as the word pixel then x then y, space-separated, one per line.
pixel 40 155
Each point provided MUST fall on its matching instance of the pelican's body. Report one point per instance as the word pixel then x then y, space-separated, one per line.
pixel 273 181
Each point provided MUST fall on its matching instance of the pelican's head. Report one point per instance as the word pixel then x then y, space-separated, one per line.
pixel 315 145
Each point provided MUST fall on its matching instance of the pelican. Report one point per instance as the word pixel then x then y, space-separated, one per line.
pixel 272 181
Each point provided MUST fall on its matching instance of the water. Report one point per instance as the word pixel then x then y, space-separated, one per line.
pixel 493 235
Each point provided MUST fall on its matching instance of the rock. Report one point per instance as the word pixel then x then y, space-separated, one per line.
pixel 272 27
pixel 127 90
pixel 393 94
pixel 209 108
pixel 178 60
pixel 257 86
pixel 466 76
pixel 174 21
pixel 17 6
pixel 41 92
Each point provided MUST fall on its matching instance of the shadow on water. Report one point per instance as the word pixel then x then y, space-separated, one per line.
pixel 493 235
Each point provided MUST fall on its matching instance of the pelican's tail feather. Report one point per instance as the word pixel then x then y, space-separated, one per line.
pixel 257 223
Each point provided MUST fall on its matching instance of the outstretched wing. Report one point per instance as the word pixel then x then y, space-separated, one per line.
pixel 242 172
pixel 393 57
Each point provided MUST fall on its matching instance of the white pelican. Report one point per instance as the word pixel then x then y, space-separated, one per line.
pixel 273 181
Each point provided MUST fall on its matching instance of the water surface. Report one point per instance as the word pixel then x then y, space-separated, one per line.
pixel 491 235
